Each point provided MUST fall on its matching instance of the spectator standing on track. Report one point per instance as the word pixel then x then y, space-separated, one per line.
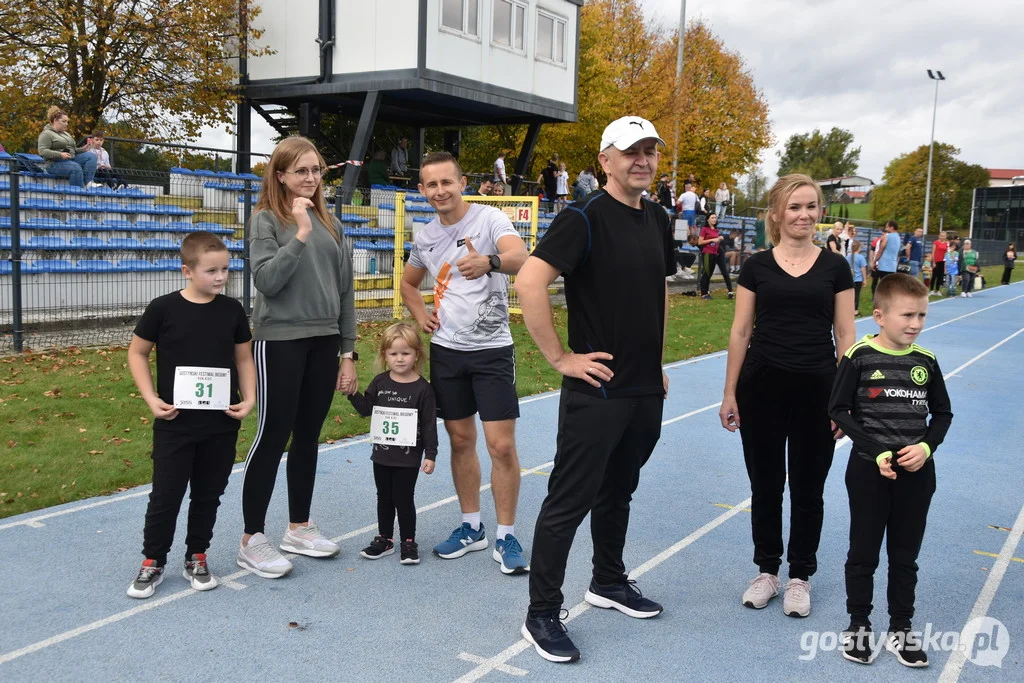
pixel 196 330
pixel 952 267
pixel 304 323
pixel 1009 258
pixel 613 387
pixel 914 251
pixel 885 388
pixel 404 432
pixel 712 254
pixel 62 156
pixel 472 360
pixel 969 268
pixel 939 248
pixel 722 199
pixel 859 266
pixel 779 374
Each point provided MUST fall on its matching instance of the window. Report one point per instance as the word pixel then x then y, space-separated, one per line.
pixel 510 24
pixel 550 38
pixel 460 16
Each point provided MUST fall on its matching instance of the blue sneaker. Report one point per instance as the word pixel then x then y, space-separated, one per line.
pixel 509 553
pixel 463 540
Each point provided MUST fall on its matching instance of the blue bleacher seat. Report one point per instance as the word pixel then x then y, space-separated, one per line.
pixel 167 264
pixel 5 243
pixel 5 202
pixel 171 210
pixel 374 246
pixel 88 243
pixel 78 205
pixel 70 189
pixel 235 245
pixel 150 226
pixel 109 207
pixel 159 243
pixel 215 228
pixel 52 266
pixel 46 242
pixel 137 265
pixel 236 264
pixel 42 204
pixel 179 226
pixel 352 218
pixel 5 267
pixel 5 221
pixel 124 243
pixel 422 219
pixel 84 224
pixel 119 224
pixel 182 171
pixel 372 233
pixel 94 266
pixel 44 224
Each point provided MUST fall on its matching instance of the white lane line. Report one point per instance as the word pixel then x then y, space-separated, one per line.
pixel 968 315
pixel 955 664
pixel 503 668
pixel 983 353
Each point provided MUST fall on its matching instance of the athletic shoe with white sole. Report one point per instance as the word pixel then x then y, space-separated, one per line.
pixel 146 582
pixel 547 634
pixel 379 547
pixel 261 559
pixel 856 644
pixel 762 589
pixel 463 540
pixel 624 597
pixel 796 602
pixel 410 552
pixel 907 647
pixel 509 553
pixel 307 540
pixel 198 574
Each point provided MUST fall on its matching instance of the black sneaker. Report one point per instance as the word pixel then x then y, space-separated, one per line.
pixel 857 644
pixel 146 582
pixel 410 552
pixel 907 647
pixel 198 574
pixel 546 633
pixel 623 596
pixel 378 548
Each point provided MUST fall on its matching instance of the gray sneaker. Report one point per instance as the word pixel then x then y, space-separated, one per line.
pixel 797 600
pixel 261 559
pixel 198 574
pixel 307 540
pixel 146 582
pixel 762 589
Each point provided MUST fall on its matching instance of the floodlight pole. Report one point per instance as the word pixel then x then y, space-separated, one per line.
pixel 936 76
pixel 679 82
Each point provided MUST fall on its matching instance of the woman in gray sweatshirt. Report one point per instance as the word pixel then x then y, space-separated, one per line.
pixel 62 156
pixel 303 321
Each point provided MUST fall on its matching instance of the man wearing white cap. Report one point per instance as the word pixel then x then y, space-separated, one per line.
pixel 613 387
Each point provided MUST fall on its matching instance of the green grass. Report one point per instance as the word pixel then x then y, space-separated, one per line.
pixel 863 212
pixel 75 426
pixel 991 274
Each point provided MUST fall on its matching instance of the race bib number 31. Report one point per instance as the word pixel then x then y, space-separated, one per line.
pixel 197 388
pixel 393 426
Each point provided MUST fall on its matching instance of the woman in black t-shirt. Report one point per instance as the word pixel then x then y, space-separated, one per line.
pixel 791 301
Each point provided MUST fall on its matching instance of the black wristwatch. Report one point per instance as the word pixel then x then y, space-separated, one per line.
pixel 495 262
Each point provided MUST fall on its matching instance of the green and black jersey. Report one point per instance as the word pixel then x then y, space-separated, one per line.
pixel 882 398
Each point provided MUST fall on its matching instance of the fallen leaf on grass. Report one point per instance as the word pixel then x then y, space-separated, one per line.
pixel 82 429
pixel 95 452
pixel 331 441
pixel 53 393
pixel 127 463
pixel 83 396
pixel 337 418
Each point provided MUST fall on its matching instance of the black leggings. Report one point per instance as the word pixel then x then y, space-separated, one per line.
pixel 938 276
pixel 1007 274
pixel 708 263
pixel 395 489
pixel 295 382
pixel 856 297
pixel 780 410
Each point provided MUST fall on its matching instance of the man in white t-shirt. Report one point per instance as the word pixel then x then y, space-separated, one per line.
pixel 688 205
pixel 470 250
pixel 499 169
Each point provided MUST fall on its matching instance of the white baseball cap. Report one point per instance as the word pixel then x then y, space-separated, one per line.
pixel 627 131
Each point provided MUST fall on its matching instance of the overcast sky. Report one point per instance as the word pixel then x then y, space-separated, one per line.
pixel 862 66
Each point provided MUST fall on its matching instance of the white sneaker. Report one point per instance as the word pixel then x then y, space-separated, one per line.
pixel 261 559
pixel 307 540
pixel 963 295
pixel 762 589
pixel 797 600
pixel 970 295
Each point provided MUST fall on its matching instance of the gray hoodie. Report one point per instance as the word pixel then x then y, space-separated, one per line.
pixel 302 290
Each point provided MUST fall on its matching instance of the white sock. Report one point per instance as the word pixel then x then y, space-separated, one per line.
pixel 504 531
pixel 473 518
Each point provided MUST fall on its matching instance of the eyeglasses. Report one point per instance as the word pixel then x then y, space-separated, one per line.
pixel 316 172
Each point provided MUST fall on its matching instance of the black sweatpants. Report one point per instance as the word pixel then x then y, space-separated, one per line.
pixel 898 510
pixel 780 408
pixel 295 382
pixel 708 263
pixel 938 282
pixel 395 489
pixel 600 448
pixel 856 297
pixel 1007 274
pixel 201 462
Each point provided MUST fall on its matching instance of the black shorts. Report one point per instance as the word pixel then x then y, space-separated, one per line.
pixel 470 382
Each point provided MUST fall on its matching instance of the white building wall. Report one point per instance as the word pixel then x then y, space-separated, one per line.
pixel 290 28
pixel 376 35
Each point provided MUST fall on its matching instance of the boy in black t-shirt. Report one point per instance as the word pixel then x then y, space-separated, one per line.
pixel 203 357
pixel 885 388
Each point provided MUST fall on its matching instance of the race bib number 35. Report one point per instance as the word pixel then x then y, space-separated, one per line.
pixel 197 388
pixel 393 426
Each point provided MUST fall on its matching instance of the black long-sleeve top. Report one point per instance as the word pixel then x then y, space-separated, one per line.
pixel 386 392
pixel 882 398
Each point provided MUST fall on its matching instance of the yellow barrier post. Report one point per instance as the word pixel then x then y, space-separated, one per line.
pixel 399 262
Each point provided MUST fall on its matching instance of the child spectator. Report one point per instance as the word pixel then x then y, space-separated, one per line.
pixel 885 388
pixel 859 266
pixel 952 267
pixel 561 186
pixel 202 359
pixel 404 431
pixel 732 246
pixel 104 172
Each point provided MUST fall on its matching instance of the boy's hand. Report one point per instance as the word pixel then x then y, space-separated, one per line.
pixel 885 468
pixel 428 467
pixel 912 457
pixel 161 410
pixel 240 410
pixel 837 433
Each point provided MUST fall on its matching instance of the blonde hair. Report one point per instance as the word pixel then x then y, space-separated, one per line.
pixel 408 333
pixel 855 246
pixel 273 196
pixel 54 113
pixel 779 195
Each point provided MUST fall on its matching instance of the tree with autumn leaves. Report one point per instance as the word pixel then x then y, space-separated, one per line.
pixel 165 68
pixel 627 66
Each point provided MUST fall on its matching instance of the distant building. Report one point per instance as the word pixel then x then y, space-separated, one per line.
pixel 1001 177
pixel 998 213
pixel 854 197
